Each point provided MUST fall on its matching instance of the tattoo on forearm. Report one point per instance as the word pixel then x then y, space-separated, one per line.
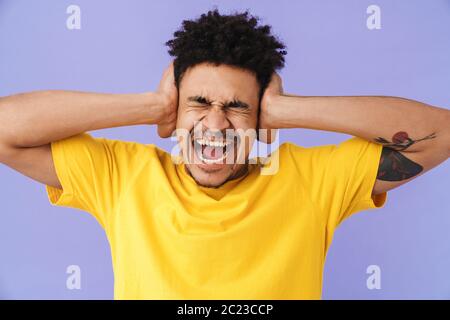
pixel 401 141
pixel 394 166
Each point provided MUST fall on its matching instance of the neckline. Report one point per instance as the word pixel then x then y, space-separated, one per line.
pixel 214 193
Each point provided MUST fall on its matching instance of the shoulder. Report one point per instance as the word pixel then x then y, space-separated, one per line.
pixel 293 158
pixel 295 152
pixel 351 146
pixel 139 151
pixel 122 151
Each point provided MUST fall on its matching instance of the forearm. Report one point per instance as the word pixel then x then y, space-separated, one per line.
pixel 374 118
pixel 37 118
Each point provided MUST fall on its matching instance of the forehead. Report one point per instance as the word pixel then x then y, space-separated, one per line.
pixel 217 82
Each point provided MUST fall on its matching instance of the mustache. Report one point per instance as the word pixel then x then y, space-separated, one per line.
pixel 227 134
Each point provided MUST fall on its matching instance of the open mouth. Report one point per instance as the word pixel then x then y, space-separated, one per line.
pixel 215 152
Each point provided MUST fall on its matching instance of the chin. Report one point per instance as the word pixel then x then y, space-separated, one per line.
pixel 210 177
pixel 213 161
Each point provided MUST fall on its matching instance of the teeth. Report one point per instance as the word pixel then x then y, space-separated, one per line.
pixel 205 142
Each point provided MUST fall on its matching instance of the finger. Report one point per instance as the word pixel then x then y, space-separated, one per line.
pixel 168 78
pixel 275 85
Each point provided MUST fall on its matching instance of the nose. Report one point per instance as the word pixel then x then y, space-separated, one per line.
pixel 216 119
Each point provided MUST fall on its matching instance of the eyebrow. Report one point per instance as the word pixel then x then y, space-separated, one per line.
pixel 234 103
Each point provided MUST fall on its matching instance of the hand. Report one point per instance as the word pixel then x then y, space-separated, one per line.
pixel 273 90
pixel 169 94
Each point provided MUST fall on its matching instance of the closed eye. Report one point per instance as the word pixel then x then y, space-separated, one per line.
pixel 200 100
pixel 235 104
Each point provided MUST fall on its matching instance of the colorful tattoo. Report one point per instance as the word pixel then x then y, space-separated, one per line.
pixel 394 166
pixel 401 140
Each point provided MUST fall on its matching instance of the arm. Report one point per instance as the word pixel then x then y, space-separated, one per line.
pixel 415 136
pixel 29 122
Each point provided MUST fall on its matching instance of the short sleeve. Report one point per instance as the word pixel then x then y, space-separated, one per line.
pixel 93 172
pixel 340 178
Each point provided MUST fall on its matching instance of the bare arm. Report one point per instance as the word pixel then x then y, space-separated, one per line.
pixel 29 122
pixel 37 118
pixel 415 136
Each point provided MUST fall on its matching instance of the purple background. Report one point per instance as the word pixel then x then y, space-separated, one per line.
pixel 120 48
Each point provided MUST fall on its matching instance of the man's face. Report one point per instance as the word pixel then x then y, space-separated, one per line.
pixel 218 106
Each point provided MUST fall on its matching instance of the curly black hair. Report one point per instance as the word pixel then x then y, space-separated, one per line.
pixel 234 40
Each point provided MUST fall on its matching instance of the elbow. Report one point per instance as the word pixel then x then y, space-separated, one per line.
pixel 444 132
pixel 10 125
pixel 5 123
pixel 6 152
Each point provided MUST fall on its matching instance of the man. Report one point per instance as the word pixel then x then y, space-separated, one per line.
pixel 213 226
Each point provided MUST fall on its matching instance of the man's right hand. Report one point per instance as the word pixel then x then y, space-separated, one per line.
pixel 29 122
pixel 169 94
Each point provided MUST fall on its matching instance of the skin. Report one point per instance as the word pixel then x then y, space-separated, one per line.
pixel 402 159
pixel 204 92
pixel 214 89
pixel 29 122
pixel 420 132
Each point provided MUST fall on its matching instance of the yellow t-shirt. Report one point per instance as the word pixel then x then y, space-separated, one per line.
pixel 256 237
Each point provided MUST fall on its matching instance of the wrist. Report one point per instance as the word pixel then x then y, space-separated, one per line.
pixel 270 114
pixel 156 106
pixel 283 111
